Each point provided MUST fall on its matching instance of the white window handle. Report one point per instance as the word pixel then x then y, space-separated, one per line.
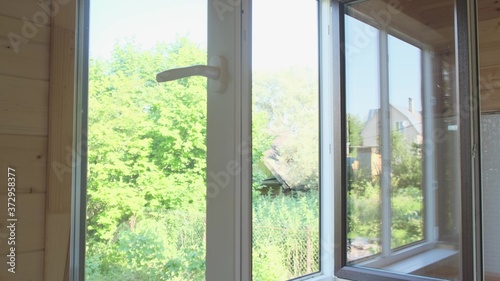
pixel 215 70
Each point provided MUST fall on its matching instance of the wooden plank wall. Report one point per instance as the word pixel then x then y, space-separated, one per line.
pixel 59 176
pixel 24 91
pixel 36 87
pixel 489 54
pixel 489 72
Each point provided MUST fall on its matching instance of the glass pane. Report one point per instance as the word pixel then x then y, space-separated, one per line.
pixel 285 139
pixel 402 147
pixel 147 154
pixel 406 131
pixel 363 137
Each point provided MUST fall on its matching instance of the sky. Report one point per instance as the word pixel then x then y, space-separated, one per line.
pixel 284 35
pixel 148 21
pixel 362 70
pixel 291 39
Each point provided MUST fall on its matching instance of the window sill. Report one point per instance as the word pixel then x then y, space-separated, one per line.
pixel 409 264
pixel 315 277
pixel 420 261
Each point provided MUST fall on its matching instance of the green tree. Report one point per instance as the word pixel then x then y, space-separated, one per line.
pixel 354 128
pixel 289 99
pixel 406 162
pixel 147 140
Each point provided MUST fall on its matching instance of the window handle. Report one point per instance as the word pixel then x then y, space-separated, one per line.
pixel 215 70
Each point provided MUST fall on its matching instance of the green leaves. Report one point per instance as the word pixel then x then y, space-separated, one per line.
pixel 286 123
pixel 406 162
pixel 147 157
pixel 146 140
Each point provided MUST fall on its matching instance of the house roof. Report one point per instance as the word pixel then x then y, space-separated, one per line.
pixel 270 164
pixel 415 118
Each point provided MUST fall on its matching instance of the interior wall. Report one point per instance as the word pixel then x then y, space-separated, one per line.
pixel 489 54
pixel 37 60
pixel 490 158
pixel 24 91
pixel 489 75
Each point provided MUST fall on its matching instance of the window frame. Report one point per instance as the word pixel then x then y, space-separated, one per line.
pixel 239 226
pixel 77 243
pixel 333 239
pixel 468 141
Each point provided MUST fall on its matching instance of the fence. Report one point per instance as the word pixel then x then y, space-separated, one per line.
pixel 292 251
pixel 172 245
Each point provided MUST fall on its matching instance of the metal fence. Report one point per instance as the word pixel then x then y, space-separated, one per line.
pixel 279 250
pixel 285 244
pixel 292 251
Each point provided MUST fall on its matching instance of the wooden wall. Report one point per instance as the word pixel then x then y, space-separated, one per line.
pixel 489 61
pixel 36 89
pixel 489 54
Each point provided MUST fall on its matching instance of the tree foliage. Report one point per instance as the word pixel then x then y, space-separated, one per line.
pixel 406 162
pixel 147 164
pixel 355 126
pixel 147 140
pixel 406 199
pixel 147 160
pixel 289 99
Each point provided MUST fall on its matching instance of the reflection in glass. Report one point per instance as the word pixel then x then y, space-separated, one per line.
pixel 363 135
pixel 285 232
pixel 406 132
pixel 402 145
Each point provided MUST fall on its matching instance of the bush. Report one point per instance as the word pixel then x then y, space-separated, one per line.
pixel 162 246
pixel 365 220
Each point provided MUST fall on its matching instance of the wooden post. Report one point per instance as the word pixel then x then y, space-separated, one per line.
pixel 60 137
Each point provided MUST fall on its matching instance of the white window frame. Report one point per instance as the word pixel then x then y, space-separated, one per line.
pixel 229 249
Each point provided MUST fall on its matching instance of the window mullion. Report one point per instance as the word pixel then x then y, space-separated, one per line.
pixel 385 139
pixel 328 174
pixel 431 230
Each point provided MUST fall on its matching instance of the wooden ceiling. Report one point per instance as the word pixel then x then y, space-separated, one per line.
pixel 488 9
pixel 489 54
